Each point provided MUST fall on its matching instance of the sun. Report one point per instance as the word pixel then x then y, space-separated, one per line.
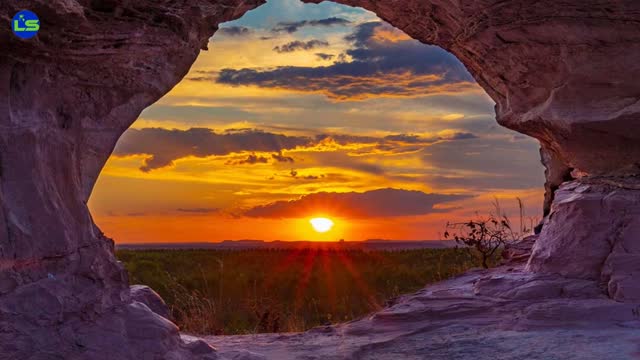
pixel 321 225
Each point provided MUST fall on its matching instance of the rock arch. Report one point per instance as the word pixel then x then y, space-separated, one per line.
pixel 563 72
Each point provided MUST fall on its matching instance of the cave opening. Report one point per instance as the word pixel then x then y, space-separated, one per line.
pixel 299 112
pixel 294 99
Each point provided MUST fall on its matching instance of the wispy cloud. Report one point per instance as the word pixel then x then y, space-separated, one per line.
pixel 300 45
pixel 323 56
pixel 281 158
pixel 291 27
pixel 234 31
pixel 251 160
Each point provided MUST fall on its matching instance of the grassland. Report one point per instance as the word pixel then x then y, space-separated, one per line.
pixel 251 291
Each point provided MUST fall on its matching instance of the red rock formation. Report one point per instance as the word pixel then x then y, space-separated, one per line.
pixel 564 72
pixel 66 96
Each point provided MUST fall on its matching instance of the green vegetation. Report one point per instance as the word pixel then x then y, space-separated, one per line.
pixel 249 291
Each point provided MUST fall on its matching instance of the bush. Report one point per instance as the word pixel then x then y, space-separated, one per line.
pixel 486 235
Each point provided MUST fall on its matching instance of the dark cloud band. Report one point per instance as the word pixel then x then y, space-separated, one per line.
pixel 376 203
pixel 291 27
pixel 163 146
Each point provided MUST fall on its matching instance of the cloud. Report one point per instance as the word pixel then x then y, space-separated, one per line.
pixel 253 159
pixel 376 203
pixel 300 45
pixel 297 175
pixel 291 27
pixel 250 160
pixel 391 144
pixel 323 56
pixel 234 31
pixel 407 138
pixel 458 136
pixel 281 158
pixel 164 145
pixel 375 32
pixel 379 64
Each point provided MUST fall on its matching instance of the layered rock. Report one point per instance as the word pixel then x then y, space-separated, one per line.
pixel 603 239
pixel 563 72
pixel 502 313
pixel 66 96
pixel 146 295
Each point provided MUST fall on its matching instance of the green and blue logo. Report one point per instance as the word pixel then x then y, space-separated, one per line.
pixel 25 24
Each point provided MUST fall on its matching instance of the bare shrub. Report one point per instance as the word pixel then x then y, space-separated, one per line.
pixel 486 235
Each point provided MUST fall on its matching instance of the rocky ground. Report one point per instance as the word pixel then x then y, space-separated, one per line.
pixel 503 313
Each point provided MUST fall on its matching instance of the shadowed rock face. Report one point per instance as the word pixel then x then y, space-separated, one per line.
pixel 563 72
pixel 66 96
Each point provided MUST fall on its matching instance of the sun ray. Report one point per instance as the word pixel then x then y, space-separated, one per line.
pixel 303 282
pixel 360 283
pixel 328 277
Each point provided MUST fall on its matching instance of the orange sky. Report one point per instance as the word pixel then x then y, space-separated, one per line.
pixel 313 110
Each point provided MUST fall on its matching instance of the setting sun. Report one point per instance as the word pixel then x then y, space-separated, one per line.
pixel 321 225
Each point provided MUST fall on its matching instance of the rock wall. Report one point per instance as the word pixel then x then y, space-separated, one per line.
pixel 593 232
pixel 563 72
pixel 66 96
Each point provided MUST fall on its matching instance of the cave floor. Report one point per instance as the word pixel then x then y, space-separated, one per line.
pixel 503 313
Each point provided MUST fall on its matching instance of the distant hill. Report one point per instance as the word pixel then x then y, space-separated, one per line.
pixel 371 244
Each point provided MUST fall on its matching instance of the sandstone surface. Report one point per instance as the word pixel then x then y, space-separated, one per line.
pixel 504 313
pixel 147 296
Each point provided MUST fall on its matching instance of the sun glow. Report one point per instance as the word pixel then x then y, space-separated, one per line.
pixel 321 225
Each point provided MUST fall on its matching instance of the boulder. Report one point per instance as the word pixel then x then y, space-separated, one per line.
pixel 147 296
pixel 593 232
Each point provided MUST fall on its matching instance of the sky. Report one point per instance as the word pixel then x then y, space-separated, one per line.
pixel 304 110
